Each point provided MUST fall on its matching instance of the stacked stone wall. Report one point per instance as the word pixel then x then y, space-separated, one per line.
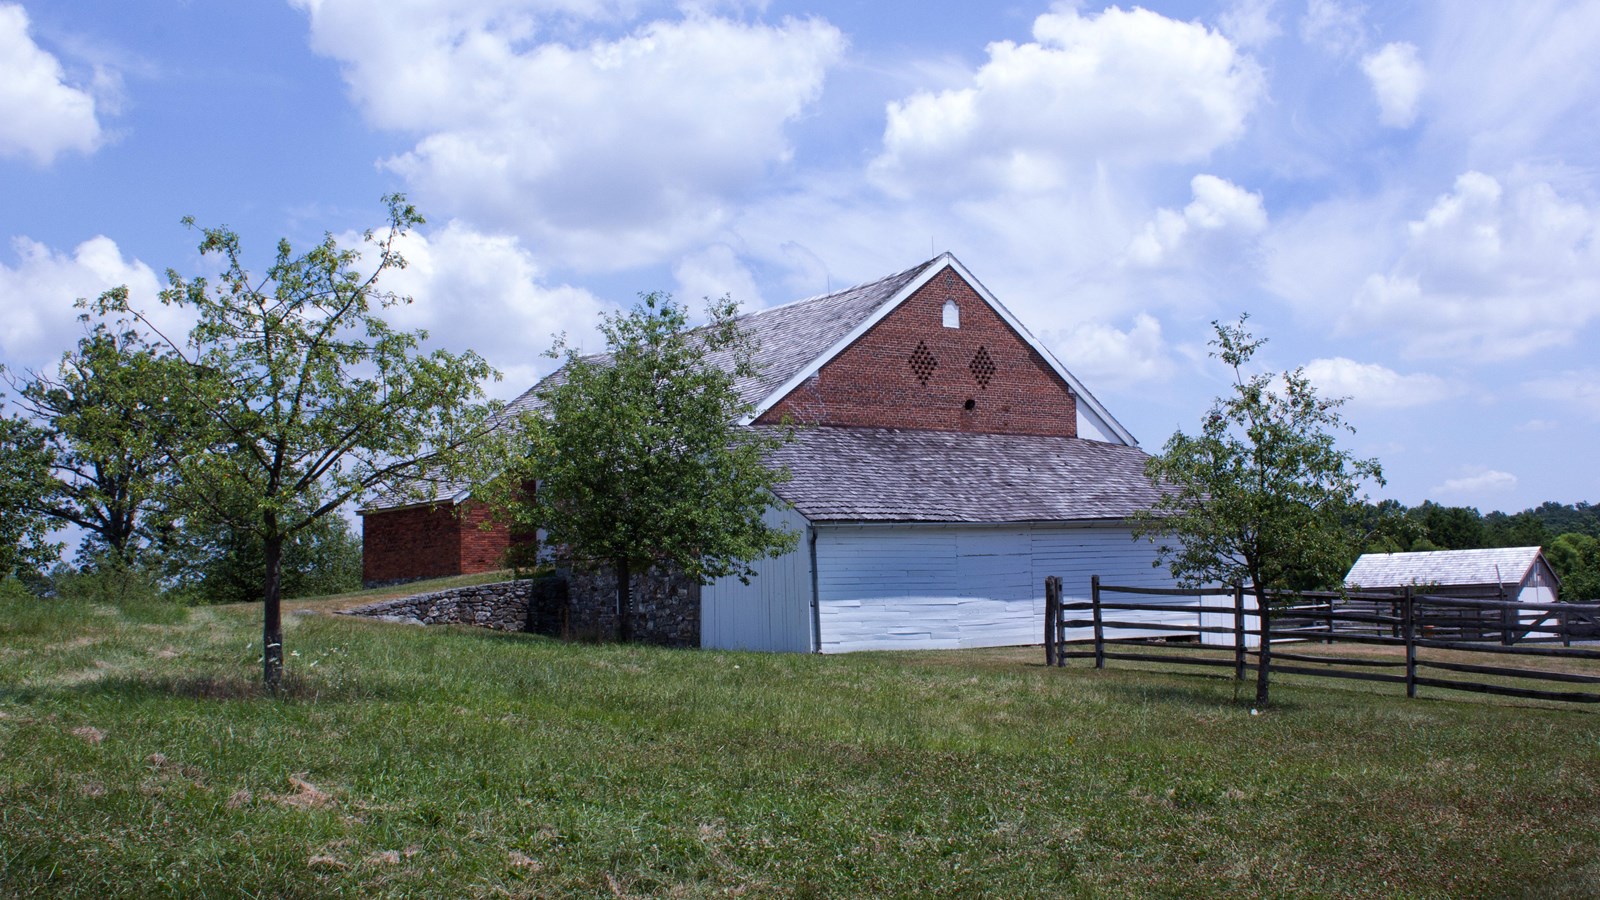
pixel 571 605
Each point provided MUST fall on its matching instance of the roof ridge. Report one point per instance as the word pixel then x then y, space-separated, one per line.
pixel 841 292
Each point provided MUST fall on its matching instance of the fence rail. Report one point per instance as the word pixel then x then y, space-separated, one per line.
pixel 1408 621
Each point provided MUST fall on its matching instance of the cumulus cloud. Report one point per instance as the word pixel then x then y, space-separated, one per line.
pixel 1121 87
pixel 1489 272
pixel 1474 484
pixel 1370 384
pixel 41 115
pixel 714 272
pixel 1104 354
pixel 607 151
pixel 1397 78
pixel 1219 206
pixel 38 293
pixel 485 292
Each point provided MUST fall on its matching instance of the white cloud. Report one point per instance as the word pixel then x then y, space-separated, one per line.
pixel 40 321
pixel 40 114
pixel 1489 272
pixel 484 292
pixel 1339 28
pixel 1219 206
pixel 714 272
pixel 1370 384
pixel 1577 390
pixel 606 152
pixel 1104 355
pixel 1249 23
pixel 1474 484
pixel 1397 77
pixel 1123 87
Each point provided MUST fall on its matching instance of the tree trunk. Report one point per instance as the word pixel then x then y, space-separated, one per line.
pixel 272 619
pixel 1264 658
pixel 624 602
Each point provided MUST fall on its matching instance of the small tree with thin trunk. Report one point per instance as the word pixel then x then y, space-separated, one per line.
pixel 1261 495
pixel 638 459
pixel 303 400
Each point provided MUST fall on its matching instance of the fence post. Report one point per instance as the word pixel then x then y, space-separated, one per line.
pixel 1052 609
pixel 1060 623
pixel 1409 615
pixel 1099 629
pixel 1566 629
pixel 1238 632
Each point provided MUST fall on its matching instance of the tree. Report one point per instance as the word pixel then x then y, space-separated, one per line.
pixel 209 561
pixel 1263 495
pixel 25 459
pixel 1576 559
pixel 638 456
pixel 305 399
pixel 105 444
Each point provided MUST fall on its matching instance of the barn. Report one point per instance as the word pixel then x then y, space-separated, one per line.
pixel 946 462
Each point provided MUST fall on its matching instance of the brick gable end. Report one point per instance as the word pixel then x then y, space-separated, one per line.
pixel 430 541
pixel 910 371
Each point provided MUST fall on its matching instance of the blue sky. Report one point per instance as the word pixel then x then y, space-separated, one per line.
pixel 1404 196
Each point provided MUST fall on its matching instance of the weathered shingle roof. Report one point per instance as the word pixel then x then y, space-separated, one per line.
pixel 1498 565
pixel 787 338
pixel 893 475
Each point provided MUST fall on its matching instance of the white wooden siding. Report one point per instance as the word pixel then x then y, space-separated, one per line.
pixel 947 586
pixel 773 611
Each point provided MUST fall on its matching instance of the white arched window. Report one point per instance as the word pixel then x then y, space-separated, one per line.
pixel 952 314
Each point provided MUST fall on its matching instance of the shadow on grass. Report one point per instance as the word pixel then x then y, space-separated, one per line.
pixel 218 687
pixel 1212 692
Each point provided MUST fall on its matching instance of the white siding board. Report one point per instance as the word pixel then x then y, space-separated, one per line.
pixel 773 611
pixel 938 586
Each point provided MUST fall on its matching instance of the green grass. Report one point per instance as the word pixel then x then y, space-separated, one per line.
pixel 138 757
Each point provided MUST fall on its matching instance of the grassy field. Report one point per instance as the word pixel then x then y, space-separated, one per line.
pixel 138 757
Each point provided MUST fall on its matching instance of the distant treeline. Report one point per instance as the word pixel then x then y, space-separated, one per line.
pixel 1569 534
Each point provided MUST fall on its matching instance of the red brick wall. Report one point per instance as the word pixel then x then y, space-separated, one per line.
pixel 429 542
pixel 874 382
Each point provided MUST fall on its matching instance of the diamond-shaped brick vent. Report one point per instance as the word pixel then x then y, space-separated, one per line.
pixel 982 367
pixel 923 363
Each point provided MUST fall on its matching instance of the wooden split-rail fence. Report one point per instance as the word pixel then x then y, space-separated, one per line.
pixel 1420 638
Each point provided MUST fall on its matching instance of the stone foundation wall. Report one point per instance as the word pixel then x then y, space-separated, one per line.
pixel 571 605
pixel 502 606
pixel 666 607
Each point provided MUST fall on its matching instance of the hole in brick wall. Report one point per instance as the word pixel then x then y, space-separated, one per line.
pixel 982 367
pixel 923 363
pixel 971 404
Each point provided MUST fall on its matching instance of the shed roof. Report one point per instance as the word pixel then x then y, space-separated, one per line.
pixel 895 475
pixel 1496 565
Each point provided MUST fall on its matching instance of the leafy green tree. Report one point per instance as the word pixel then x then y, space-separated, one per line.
pixel 25 460
pixel 1262 495
pixel 638 456
pixel 210 561
pixel 105 439
pixel 308 400
pixel 1576 559
pixel 1449 527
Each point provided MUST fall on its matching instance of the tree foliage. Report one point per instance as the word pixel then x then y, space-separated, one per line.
pixel 105 440
pixel 1262 495
pixel 25 461
pixel 638 456
pixel 301 399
